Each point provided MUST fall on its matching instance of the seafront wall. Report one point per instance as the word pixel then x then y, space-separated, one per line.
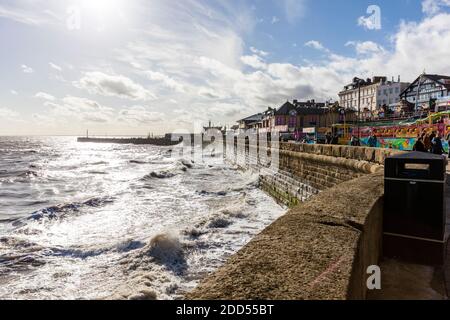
pixel 322 247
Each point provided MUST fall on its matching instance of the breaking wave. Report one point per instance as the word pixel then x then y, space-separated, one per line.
pixel 62 210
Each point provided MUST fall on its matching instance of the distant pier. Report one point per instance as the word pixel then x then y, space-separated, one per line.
pixel 164 141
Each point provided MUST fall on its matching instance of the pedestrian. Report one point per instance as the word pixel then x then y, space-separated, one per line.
pixel 448 141
pixel 328 138
pixel 437 146
pixel 373 141
pixel 432 136
pixel 427 142
pixel 355 142
pixel 419 146
pixel 335 140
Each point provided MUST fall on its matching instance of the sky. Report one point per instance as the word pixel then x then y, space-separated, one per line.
pixel 132 67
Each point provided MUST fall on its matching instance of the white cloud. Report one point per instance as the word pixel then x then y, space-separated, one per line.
pixel 14 92
pixel 55 67
pixel 8 114
pixel 259 52
pixel 26 69
pixel 366 47
pixel 275 20
pixel 20 15
pixel 113 86
pixel 44 96
pixel 254 61
pixel 86 110
pixel 199 66
pixel 140 115
pixel 316 45
pixel 166 81
pixel 432 7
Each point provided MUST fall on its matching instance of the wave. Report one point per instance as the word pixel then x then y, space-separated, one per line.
pixel 20 254
pixel 98 172
pixel 19 173
pixel 60 211
pixel 160 175
pixel 98 163
pixel 219 223
pixel 212 193
pixel 177 167
pixel 137 162
pixel 165 248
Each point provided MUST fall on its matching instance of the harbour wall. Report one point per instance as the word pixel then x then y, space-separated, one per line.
pixel 322 247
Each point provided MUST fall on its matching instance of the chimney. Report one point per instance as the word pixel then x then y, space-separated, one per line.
pixel 399 78
pixel 295 102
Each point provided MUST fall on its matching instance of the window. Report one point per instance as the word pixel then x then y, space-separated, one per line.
pixel 397 90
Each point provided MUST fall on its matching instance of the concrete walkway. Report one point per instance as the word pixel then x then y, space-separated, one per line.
pixel 447 262
pixel 401 280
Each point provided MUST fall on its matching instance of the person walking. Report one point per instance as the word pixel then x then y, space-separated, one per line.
pixel 427 142
pixel 419 146
pixel 373 141
pixel 335 140
pixel 328 138
pixel 355 142
pixel 448 140
pixel 437 147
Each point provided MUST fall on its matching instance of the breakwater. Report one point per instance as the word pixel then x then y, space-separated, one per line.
pixel 166 141
pixel 322 247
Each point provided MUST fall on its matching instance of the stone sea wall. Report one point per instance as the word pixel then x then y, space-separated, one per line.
pixel 322 247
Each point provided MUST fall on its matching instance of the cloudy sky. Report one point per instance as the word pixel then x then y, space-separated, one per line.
pixel 139 66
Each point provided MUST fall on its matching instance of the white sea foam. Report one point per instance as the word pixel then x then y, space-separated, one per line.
pixel 153 238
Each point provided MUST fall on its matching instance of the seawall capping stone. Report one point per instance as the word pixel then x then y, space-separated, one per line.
pixel 321 248
pixel 315 251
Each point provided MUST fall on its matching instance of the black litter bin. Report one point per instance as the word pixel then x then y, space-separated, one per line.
pixel 414 209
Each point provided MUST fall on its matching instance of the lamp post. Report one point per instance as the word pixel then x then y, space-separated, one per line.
pixel 359 81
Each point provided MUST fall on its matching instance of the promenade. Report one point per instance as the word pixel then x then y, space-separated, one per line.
pixel 447 262
pixel 401 280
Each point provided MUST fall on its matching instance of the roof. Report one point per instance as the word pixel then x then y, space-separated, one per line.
pixel 434 77
pixel 254 118
pixel 302 108
pixel 285 109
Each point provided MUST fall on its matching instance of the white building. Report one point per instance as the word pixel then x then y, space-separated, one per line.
pixel 373 93
pixel 365 90
pixel 388 93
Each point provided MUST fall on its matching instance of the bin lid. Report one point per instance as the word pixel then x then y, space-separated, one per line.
pixel 417 156
pixel 398 167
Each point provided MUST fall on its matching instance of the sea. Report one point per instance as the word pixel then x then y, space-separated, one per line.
pixel 110 221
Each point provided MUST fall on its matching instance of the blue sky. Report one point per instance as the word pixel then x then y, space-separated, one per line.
pixel 130 67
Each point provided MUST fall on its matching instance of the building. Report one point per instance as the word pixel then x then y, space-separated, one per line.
pixel 254 121
pixel 372 93
pixel 388 93
pixel 365 90
pixel 426 90
pixel 294 117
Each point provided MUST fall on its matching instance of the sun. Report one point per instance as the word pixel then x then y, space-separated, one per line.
pixel 103 13
pixel 103 8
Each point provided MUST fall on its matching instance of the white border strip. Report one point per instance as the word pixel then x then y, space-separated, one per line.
pixel 415 180
pixel 412 237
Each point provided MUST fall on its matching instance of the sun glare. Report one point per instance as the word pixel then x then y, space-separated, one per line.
pixel 104 9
